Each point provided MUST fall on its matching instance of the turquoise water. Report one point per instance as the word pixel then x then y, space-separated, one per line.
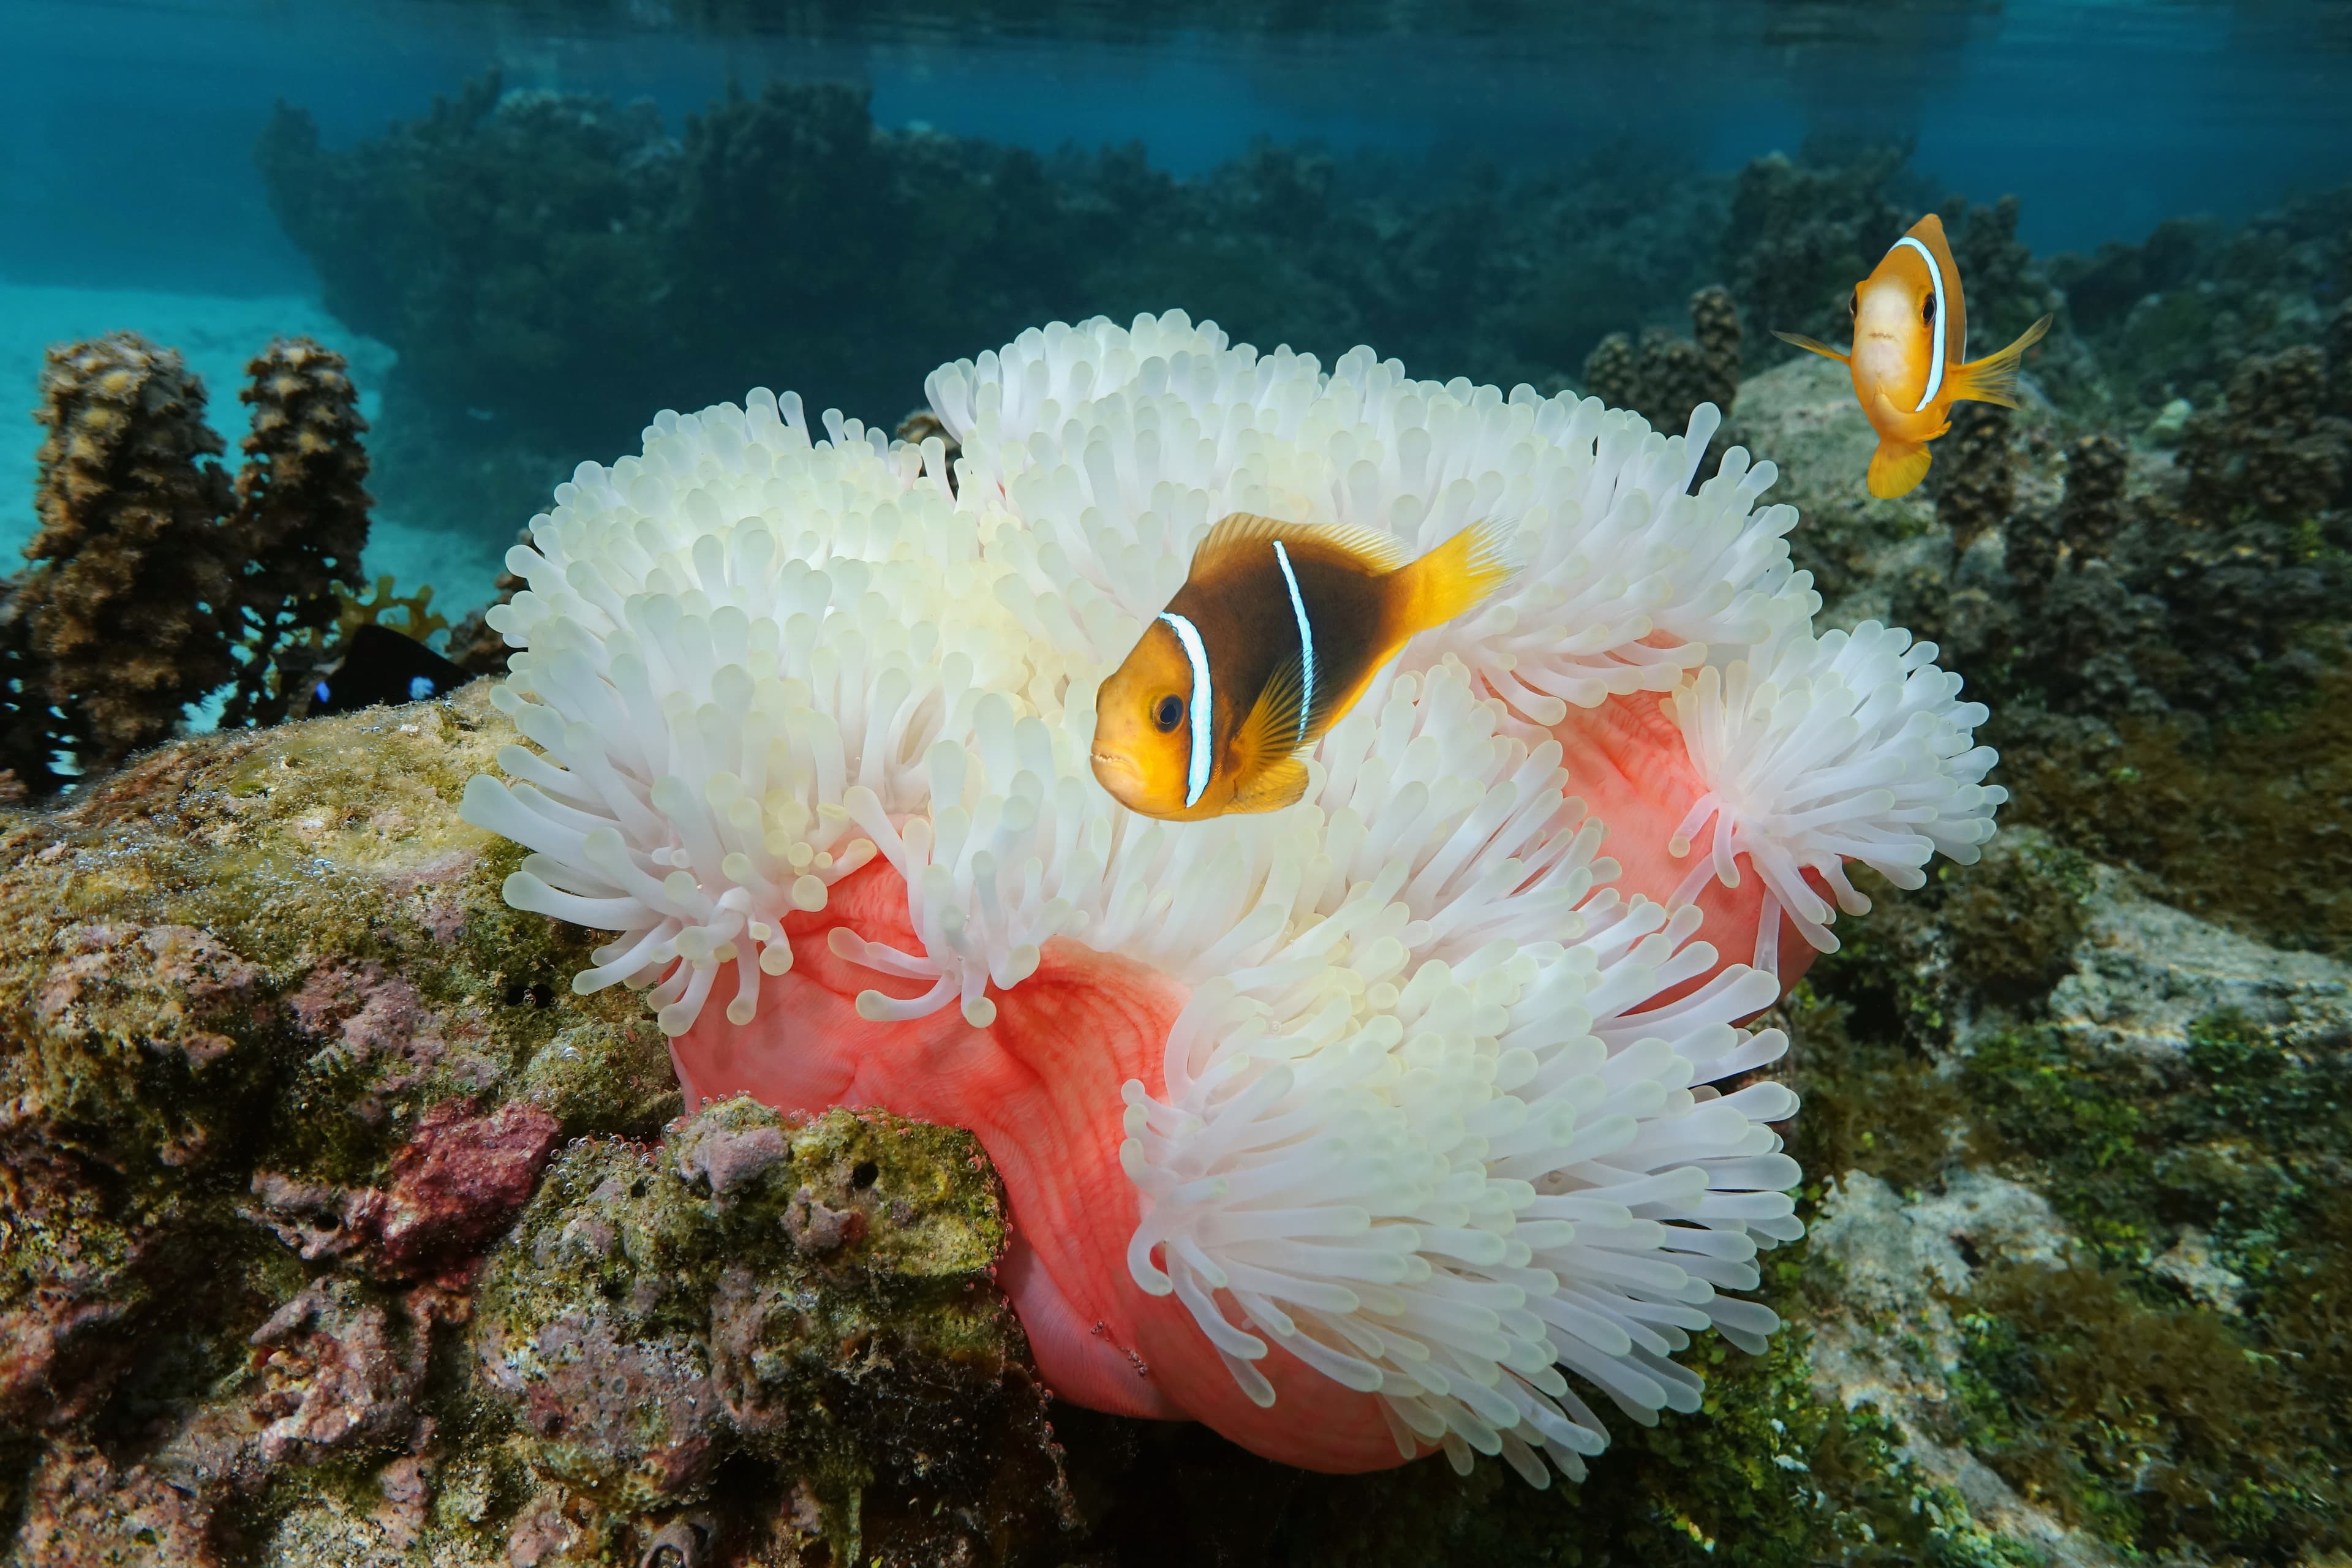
pixel 129 133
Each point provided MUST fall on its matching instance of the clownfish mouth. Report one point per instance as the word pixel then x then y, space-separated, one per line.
pixel 1119 774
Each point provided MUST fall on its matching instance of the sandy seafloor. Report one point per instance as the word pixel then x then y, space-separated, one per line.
pixel 218 334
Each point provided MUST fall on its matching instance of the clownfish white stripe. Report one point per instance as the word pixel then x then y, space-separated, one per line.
pixel 1196 777
pixel 1306 640
pixel 1936 353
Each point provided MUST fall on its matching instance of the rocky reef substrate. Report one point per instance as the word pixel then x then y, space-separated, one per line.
pixel 337 1229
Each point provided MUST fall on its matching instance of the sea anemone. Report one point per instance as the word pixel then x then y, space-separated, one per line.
pixel 1381 1124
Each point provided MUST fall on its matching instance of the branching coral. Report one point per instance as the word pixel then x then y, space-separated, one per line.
pixel 1351 1131
pixel 155 581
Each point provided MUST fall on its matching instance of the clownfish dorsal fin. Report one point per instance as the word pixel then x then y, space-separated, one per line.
pixel 1993 379
pixel 1812 345
pixel 1244 538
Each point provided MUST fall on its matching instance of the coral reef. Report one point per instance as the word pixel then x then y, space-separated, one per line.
pixel 1803 231
pixel 2109 1307
pixel 267 1010
pixel 289 1045
pixel 2172 316
pixel 2027 1063
pixel 1974 485
pixel 550 267
pixel 339 1229
pixel 157 581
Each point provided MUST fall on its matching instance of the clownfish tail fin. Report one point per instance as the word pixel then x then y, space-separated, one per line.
pixel 1449 580
pixel 1993 379
pixel 1896 469
pixel 1812 345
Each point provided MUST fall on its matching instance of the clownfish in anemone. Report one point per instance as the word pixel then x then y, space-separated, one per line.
pixel 1276 632
pixel 1424 1116
pixel 1910 357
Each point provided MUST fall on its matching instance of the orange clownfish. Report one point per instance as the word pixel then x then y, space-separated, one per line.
pixel 1910 349
pixel 1276 632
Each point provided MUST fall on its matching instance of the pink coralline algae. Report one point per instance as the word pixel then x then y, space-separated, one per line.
pixel 456 1182
pixel 1406 1118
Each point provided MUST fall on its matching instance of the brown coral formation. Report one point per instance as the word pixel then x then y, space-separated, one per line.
pixel 132 573
pixel 1667 377
pixel 155 579
pixel 301 519
pixel 2274 446
pixel 472 646
pixel 1976 482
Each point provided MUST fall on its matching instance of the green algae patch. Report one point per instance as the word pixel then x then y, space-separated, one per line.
pixel 2242 1135
pixel 2155 1425
pixel 2186 1385
pixel 2235 823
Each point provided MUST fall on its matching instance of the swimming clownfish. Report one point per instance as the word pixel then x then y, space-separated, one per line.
pixel 1276 632
pixel 1910 340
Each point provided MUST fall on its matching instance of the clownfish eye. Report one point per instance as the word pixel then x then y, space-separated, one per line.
pixel 1853 303
pixel 1928 312
pixel 1168 713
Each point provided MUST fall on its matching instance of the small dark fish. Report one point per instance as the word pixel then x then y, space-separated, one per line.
pixel 380 666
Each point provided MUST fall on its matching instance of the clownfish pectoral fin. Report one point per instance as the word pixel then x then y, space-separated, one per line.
pixel 1267 754
pixel 1281 784
pixel 1993 379
pixel 1812 345
pixel 1896 469
pixel 1287 717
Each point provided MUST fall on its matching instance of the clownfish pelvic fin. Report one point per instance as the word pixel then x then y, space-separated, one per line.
pixel 1812 345
pixel 1993 379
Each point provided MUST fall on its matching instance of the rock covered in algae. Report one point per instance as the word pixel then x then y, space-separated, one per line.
pixel 337 1229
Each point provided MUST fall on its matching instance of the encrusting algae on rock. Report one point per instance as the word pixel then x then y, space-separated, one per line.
pixel 281 1072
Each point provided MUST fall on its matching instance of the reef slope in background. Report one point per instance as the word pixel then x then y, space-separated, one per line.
pixel 337 1229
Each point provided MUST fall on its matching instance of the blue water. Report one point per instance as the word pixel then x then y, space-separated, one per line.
pixel 128 196
pixel 125 128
